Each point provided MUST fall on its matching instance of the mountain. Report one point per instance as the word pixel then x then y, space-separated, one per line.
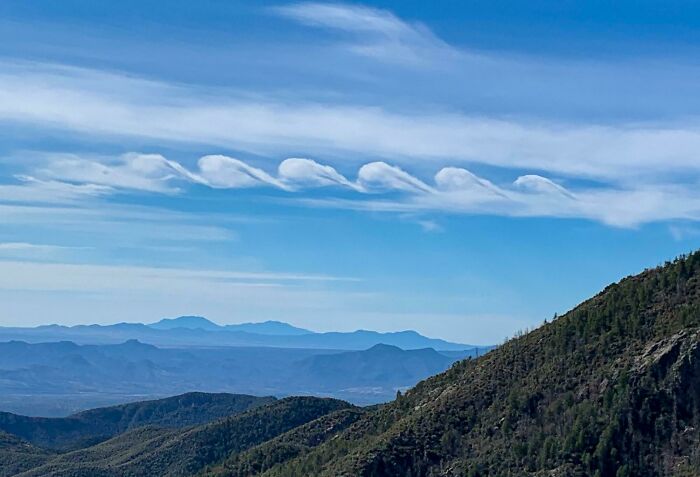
pixel 610 389
pixel 270 327
pixel 149 451
pixel 90 427
pixel 187 322
pixel 199 332
pixel 381 365
pixel 59 379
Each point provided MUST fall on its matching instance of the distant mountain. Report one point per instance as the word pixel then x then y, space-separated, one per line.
pixel 198 331
pixel 187 322
pixel 363 339
pixel 278 328
pixel 57 379
pixel 90 427
pixel 385 366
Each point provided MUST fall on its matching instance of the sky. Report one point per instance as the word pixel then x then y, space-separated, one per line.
pixel 464 168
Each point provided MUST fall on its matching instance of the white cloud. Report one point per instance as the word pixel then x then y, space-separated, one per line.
pixel 381 176
pixel 455 190
pixel 540 185
pixel 149 172
pixel 25 246
pixel 377 33
pixel 461 180
pixel 31 189
pixel 307 172
pixel 227 172
pixel 110 104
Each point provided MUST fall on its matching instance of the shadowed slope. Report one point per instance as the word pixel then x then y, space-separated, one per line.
pixel 90 427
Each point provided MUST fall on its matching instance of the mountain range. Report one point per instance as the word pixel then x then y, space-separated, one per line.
pixel 609 389
pixel 198 331
pixel 59 378
pixel 269 327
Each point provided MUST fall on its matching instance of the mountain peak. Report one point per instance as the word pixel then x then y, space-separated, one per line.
pixel 189 322
pixel 269 327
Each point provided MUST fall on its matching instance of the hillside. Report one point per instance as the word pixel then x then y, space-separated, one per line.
pixel 91 427
pixel 150 451
pixel 17 455
pixel 611 389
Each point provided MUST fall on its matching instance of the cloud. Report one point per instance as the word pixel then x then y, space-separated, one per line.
pixel 229 173
pixel 540 185
pixel 24 246
pixel 110 104
pixel 377 33
pixel 381 176
pixel 148 172
pixel 454 190
pixel 461 180
pixel 31 190
pixel 309 173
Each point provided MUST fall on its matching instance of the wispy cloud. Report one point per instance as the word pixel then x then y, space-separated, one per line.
pixel 111 104
pixel 25 246
pixel 376 33
pixel 77 277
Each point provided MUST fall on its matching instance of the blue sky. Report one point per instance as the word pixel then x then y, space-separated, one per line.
pixel 465 168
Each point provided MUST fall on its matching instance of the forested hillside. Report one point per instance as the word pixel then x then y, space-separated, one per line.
pixel 96 425
pixel 150 451
pixel 611 389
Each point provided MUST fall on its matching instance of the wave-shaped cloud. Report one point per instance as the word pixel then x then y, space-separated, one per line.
pixel 382 176
pixel 393 189
pixel 459 179
pixel 541 185
pixel 309 173
pixel 224 172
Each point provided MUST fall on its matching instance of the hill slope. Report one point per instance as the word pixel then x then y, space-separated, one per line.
pixel 611 389
pixel 90 427
pixel 17 455
pixel 150 451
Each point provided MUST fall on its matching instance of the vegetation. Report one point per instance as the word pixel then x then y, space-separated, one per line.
pixel 17 455
pixel 287 446
pixel 611 389
pixel 150 451
pixel 90 427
